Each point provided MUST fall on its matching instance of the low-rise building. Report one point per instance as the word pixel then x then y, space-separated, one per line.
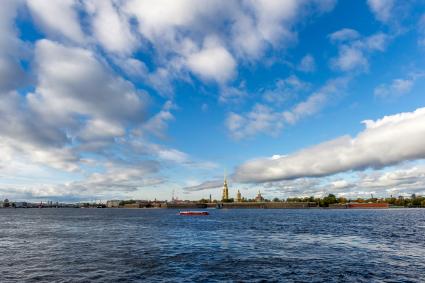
pixel 6 203
pixel 113 203
pixel 354 205
pixel 21 204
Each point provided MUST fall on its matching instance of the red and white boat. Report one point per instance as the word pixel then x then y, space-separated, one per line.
pixel 193 213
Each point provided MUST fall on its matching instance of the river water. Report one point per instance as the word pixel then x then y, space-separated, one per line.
pixel 126 245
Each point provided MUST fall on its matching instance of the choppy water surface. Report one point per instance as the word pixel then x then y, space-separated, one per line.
pixel 111 245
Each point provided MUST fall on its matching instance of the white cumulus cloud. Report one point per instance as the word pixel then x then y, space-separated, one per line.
pixel 111 28
pixel 57 18
pixel 213 62
pixel 383 142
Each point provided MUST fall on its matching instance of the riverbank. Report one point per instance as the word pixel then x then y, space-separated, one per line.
pixel 226 205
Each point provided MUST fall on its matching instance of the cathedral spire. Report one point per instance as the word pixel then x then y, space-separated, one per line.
pixel 225 195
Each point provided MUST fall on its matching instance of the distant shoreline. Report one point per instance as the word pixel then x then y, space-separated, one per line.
pixel 235 205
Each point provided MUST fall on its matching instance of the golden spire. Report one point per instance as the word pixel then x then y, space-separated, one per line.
pixel 225 195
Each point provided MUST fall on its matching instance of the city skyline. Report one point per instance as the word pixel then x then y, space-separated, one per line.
pixel 139 99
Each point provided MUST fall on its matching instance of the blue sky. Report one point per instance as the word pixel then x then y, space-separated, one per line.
pixel 135 99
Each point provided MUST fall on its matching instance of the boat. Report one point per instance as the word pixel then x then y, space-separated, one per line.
pixel 193 213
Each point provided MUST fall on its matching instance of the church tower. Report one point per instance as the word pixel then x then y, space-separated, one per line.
pixel 225 195
pixel 259 197
pixel 238 197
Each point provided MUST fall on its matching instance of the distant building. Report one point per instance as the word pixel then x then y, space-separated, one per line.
pixel 21 204
pixel 368 205
pixel 259 197
pixel 238 196
pixel 225 195
pixel 113 203
pixel 354 205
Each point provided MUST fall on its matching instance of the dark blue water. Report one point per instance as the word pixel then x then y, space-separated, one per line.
pixel 119 245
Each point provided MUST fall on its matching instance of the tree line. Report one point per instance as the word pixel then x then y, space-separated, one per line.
pixel 412 201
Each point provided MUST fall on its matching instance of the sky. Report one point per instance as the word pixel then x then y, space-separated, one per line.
pixel 129 99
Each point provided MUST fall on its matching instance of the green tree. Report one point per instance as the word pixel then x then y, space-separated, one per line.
pixel 330 199
pixel 124 202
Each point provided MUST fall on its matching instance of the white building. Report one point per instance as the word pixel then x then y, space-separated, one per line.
pixel 113 203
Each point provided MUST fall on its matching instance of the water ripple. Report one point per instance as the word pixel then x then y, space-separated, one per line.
pixel 119 245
